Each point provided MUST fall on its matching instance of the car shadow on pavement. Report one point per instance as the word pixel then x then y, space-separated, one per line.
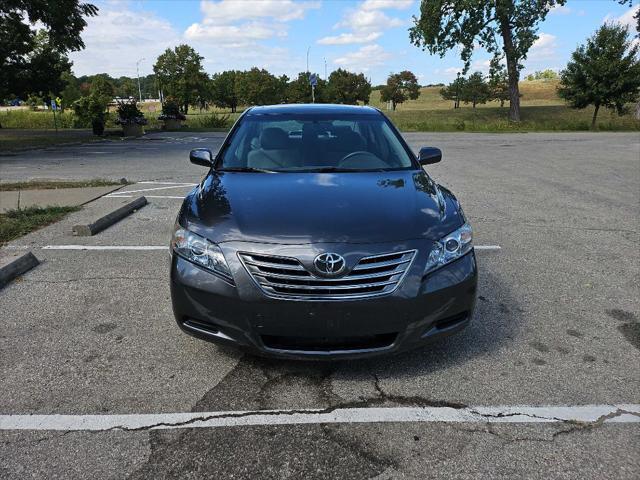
pixel 261 383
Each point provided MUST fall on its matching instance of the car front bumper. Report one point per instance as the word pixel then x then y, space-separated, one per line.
pixel 421 309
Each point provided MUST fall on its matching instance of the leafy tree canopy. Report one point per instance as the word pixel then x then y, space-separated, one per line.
pixel 63 21
pixel 400 87
pixel 180 75
pixel 348 88
pixel 605 72
pixel 505 28
pixel 224 89
pixel 259 87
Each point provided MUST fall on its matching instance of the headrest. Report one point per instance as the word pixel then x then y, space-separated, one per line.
pixel 274 139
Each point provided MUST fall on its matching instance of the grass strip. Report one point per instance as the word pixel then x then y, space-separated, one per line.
pixel 54 184
pixel 16 223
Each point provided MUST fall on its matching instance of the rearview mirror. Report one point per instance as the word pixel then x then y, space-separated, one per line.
pixel 429 155
pixel 201 156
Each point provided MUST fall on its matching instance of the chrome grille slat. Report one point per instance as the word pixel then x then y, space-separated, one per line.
pixel 330 287
pixel 366 276
pixel 288 278
pixel 389 263
pixel 282 266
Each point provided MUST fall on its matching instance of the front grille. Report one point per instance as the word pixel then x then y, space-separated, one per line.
pixel 305 344
pixel 286 277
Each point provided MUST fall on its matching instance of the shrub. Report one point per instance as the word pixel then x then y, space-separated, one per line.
pixel 129 114
pixel 91 110
pixel 209 121
pixel 171 110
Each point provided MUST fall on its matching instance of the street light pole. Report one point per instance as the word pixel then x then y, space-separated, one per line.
pixel 138 75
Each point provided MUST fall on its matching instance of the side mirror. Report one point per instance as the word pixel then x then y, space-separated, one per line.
pixel 429 155
pixel 201 156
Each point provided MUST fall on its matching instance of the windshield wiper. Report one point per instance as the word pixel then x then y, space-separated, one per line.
pixel 246 169
pixel 340 169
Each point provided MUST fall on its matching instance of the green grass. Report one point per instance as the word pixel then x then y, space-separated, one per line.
pixel 17 139
pixel 50 185
pixel 542 110
pixel 496 119
pixel 15 223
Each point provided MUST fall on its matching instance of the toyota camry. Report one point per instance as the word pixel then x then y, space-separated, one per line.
pixel 317 233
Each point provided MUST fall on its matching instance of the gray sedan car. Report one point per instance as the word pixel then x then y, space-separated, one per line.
pixel 317 233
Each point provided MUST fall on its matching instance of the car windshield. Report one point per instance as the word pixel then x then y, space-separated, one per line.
pixel 317 143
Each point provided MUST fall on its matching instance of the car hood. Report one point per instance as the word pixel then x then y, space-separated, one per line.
pixel 298 208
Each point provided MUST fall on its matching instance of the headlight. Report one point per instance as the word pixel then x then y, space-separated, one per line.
pixel 200 251
pixel 450 248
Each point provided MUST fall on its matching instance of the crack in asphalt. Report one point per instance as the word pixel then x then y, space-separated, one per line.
pixel 577 425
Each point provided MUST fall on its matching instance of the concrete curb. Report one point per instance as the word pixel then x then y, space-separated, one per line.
pixel 16 265
pixel 109 219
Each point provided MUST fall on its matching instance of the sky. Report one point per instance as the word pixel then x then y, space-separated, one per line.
pixel 368 36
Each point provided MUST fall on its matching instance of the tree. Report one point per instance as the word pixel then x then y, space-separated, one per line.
pixel 126 87
pixel 452 91
pixel 299 90
pixel 547 74
pixel 505 28
pixel 475 90
pixel 348 88
pixel 259 87
pixel 498 83
pixel 71 92
pixel 180 75
pixel 223 89
pixel 604 73
pixel 400 87
pixel 43 68
pixel 63 21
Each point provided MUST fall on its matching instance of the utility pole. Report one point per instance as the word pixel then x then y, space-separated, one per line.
pixel 325 69
pixel 457 102
pixel 138 75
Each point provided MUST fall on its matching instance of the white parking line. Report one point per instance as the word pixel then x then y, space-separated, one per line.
pixel 155 188
pixel 105 247
pixel 584 414
pixel 487 247
pixel 150 182
pixel 146 196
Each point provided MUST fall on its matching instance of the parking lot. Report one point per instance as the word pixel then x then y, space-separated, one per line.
pixel 91 332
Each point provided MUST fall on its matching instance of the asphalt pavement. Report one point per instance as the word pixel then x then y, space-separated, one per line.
pixel 90 332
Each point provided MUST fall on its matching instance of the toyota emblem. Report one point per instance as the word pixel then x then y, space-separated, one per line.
pixel 329 264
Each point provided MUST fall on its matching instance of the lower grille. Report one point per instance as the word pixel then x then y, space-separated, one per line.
pixel 286 277
pixel 329 344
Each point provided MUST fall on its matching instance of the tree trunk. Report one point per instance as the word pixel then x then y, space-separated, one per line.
pixel 512 70
pixel 393 105
pixel 595 115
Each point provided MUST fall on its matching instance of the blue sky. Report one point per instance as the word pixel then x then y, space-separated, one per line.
pixel 368 36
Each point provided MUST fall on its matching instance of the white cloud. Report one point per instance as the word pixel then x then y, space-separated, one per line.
pixel 229 11
pixel 560 10
pixel 368 21
pixel 237 24
pixel 386 4
pixel 625 19
pixel 350 38
pixel 232 34
pixel 363 59
pixel 543 48
pixel 118 37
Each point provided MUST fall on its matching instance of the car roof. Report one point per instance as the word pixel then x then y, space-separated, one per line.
pixel 313 108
